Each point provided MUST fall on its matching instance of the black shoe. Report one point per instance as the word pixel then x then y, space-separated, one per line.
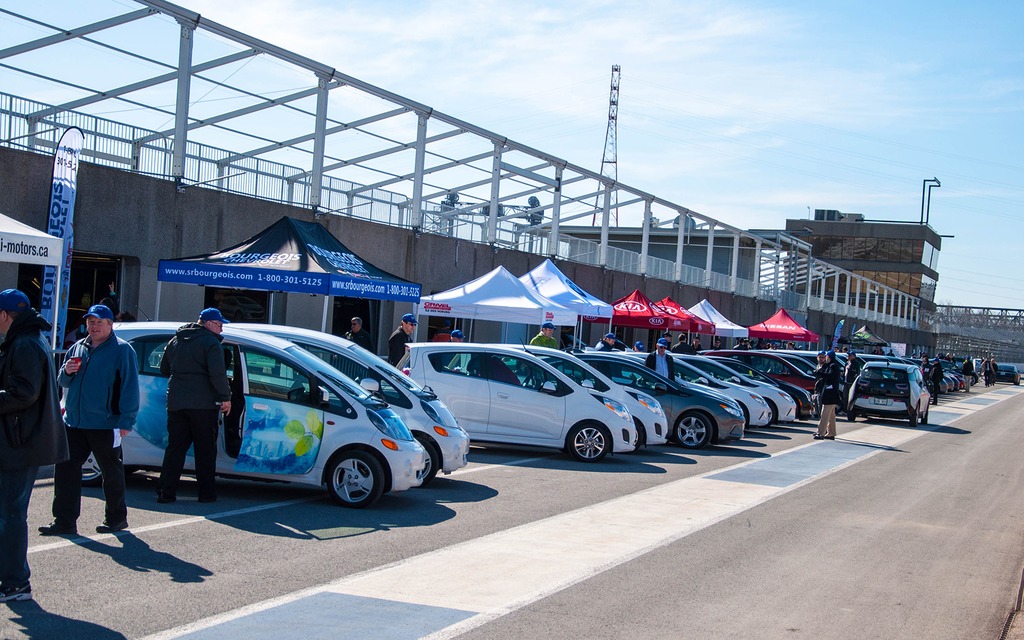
pixel 112 528
pixel 57 529
pixel 830 437
pixel 163 498
pixel 818 436
pixel 207 498
pixel 16 594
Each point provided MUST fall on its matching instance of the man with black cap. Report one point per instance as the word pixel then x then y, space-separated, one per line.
pixel 198 389
pixel 660 361
pixel 100 376
pixel 546 337
pixel 32 433
pixel 400 338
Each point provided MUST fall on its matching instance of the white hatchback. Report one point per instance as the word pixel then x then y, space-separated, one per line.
pixel 509 396
pixel 426 416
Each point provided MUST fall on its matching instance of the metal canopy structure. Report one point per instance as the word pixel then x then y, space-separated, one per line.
pixel 205 105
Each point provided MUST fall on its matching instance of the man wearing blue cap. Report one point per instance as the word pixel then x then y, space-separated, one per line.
pixel 607 343
pixel 400 338
pixel 546 337
pixel 100 376
pixel 31 434
pixel 458 336
pixel 660 361
pixel 198 389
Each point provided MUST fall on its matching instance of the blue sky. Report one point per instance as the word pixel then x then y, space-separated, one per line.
pixel 749 112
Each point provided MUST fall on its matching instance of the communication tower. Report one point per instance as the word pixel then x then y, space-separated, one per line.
pixel 610 162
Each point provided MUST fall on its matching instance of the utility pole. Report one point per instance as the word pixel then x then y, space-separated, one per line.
pixel 609 161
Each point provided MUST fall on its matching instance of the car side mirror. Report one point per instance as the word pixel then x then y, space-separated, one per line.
pixel 370 385
pixel 660 388
pixel 325 397
pixel 588 384
pixel 735 379
pixel 703 380
pixel 549 387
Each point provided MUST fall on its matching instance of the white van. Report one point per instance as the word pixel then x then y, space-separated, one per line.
pixel 426 416
pixel 293 419
pixel 506 395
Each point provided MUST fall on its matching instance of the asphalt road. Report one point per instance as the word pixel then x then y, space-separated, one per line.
pixel 918 539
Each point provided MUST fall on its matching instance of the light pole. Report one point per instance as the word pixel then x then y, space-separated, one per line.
pixel 926 210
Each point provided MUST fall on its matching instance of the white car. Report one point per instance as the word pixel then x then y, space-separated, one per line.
pixel 890 390
pixel 509 396
pixel 426 416
pixel 293 418
pixel 648 414
pixel 781 403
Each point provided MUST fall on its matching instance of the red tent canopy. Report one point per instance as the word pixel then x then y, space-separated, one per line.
pixel 782 326
pixel 693 323
pixel 636 310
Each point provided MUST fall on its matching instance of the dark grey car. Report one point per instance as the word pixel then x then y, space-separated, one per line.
pixel 698 417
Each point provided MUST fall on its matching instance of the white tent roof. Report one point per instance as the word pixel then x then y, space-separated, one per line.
pixel 723 326
pixel 498 296
pixel 547 280
pixel 27 245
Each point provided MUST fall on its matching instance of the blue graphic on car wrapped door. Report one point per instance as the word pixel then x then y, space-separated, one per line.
pixel 279 437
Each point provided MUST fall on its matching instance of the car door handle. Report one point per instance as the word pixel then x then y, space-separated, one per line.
pixel 503 396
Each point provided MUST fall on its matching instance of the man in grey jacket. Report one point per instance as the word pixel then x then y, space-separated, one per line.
pixel 33 435
pixel 197 391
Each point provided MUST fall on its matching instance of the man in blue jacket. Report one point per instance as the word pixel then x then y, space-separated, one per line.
pixel 101 401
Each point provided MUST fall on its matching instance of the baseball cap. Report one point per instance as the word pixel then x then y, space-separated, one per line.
pixel 609 336
pixel 638 346
pixel 662 342
pixel 830 353
pixel 458 334
pixel 548 325
pixel 13 300
pixel 212 313
pixel 100 311
pixel 822 353
pixel 411 319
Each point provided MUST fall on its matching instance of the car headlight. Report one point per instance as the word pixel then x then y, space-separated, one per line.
pixel 758 399
pixel 388 423
pixel 652 405
pixel 616 407
pixel 441 418
pixel 732 408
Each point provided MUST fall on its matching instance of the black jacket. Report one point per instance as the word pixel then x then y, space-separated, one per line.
pixel 651 362
pixel 362 338
pixel 827 382
pixel 396 346
pixel 195 362
pixel 33 432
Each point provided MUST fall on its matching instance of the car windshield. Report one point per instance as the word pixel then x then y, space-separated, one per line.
pixel 714 369
pixel 343 382
pixel 577 372
pixel 799 363
pixel 883 374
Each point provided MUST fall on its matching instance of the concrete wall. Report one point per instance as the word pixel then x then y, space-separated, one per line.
pixel 146 219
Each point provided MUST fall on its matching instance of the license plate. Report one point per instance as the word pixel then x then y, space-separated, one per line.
pixel 881 401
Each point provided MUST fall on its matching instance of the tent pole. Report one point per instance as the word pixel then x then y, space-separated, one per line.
pixel 53 331
pixel 156 311
pixel 323 322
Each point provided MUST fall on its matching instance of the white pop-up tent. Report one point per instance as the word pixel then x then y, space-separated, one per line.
pixel 723 326
pixel 497 296
pixel 23 244
pixel 547 280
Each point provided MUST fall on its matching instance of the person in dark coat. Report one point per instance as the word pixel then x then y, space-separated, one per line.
pixel 359 335
pixel 33 432
pixel 607 343
pixel 660 361
pixel 198 389
pixel 936 375
pixel 401 337
pixel 828 374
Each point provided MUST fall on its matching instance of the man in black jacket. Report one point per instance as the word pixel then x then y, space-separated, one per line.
pixel 197 390
pixel 359 335
pixel 33 433
pixel 827 386
pixel 660 361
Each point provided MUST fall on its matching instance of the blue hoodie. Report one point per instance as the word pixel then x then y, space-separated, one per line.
pixel 104 394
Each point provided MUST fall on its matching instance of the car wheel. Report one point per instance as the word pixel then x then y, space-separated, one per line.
pixel 924 416
pixel 851 414
pixel 91 475
pixel 434 460
pixel 641 435
pixel 775 412
pixel 355 479
pixel 588 442
pixel 693 430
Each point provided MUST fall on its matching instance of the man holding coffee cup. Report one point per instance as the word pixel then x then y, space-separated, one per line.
pixel 101 401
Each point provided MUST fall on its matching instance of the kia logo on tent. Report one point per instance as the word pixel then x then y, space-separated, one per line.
pixel 657 322
pixel 631 306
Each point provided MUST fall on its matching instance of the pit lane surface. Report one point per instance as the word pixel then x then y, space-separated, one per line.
pixel 882 533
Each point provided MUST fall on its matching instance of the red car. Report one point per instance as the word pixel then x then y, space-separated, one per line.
pixel 770 364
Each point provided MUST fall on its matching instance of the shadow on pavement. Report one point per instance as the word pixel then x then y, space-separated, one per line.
pixel 37 622
pixel 137 555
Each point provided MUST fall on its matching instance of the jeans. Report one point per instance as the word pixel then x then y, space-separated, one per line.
pixel 67 476
pixel 15 491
